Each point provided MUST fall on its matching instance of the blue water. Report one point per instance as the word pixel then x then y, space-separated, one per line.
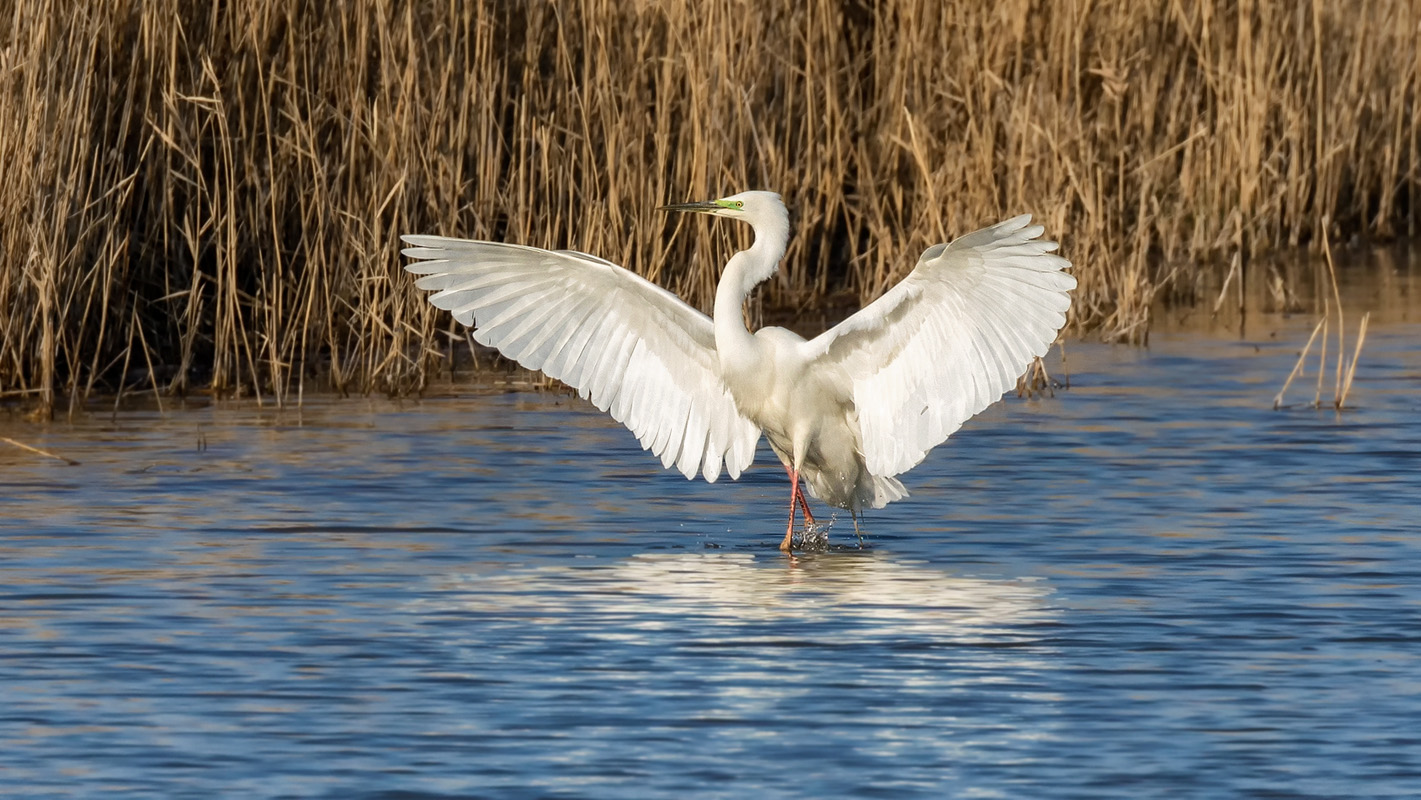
pixel 1150 585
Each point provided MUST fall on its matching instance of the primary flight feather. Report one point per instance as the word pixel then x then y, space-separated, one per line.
pixel 847 411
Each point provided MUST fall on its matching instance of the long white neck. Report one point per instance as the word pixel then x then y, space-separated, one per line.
pixel 746 270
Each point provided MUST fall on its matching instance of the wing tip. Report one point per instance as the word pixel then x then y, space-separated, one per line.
pixel 425 239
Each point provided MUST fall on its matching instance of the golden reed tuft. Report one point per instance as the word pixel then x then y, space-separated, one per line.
pixel 197 196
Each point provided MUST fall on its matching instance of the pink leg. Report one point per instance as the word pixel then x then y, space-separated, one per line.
pixel 804 504
pixel 795 496
pixel 798 492
pixel 787 544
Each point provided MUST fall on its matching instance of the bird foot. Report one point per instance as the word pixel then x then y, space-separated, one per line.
pixel 813 537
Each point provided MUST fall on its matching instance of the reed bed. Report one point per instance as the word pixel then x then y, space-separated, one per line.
pixel 200 196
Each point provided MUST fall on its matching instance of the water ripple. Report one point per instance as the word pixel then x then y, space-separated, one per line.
pixel 1152 586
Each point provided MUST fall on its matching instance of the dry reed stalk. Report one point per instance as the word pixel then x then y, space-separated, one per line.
pixel 1322 355
pixel 1341 399
pixel 1344 372
pixel 152 374
pixel 1036 380
pixel 245 173
pixel 71 462
pixel 1337 298
pixel 1297 367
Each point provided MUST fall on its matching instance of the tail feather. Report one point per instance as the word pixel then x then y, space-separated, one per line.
pixel 878 491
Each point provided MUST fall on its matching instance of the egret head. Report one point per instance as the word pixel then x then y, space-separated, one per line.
pixel 767 214
pixel 751 207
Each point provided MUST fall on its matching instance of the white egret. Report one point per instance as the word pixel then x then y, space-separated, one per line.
pixel 847 411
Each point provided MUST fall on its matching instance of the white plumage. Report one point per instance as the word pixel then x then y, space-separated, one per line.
pixel 948 340
pixel 848 410
pixel 627 345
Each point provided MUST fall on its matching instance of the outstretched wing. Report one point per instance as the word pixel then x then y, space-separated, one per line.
pixel 949 340
pixel 627 345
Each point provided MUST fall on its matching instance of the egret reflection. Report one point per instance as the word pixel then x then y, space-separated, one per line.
pixel 655 589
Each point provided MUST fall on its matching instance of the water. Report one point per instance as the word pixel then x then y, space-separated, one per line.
pixel 1153 585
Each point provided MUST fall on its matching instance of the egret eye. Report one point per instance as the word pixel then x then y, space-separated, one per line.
pixel 739 203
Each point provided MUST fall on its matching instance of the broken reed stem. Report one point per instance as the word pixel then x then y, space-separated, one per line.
pixel 1352 368
pixel 1337 297
pixel 1322 356
pixel 1298 366
pixel 152 375
pixel 71 462
pixel 1344 382
pixel 1234 266
pixel 123 372
pixel 1035 380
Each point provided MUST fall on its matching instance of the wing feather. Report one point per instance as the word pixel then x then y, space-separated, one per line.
pixel 630 347
pixel 948 340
